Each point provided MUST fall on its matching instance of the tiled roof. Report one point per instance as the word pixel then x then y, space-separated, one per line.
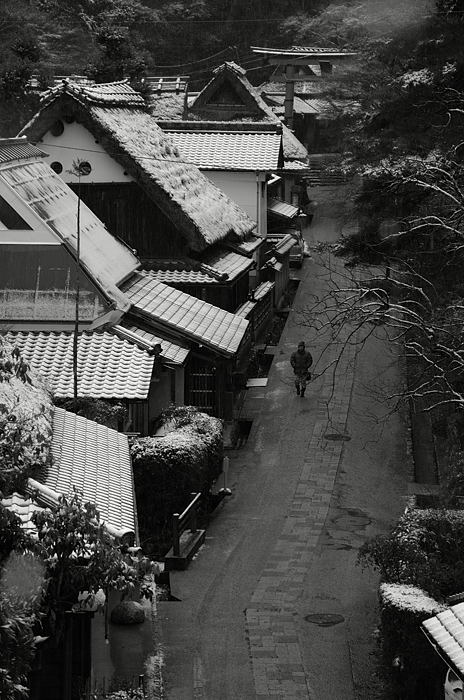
pixel 23 508
pixel 247 246
pixel 179 312
pixel 302 51
pixel 259 293
pixel 18 149
pixel 95 460
pixel 228 263
pixel 106 260
pixel 446 630
pixel 181 273
pixel 108 366
pixel 272 263
pixel 170 351
pixel 283 209
pixel 282 244
pixel 229 150
pixel 292 148
pixel 294 165
pixel 218 267
pixel 119 94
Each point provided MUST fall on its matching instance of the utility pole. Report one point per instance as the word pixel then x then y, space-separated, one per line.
pixel 79 168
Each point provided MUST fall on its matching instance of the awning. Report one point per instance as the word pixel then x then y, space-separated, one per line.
pixel 445 631
pixel 282 209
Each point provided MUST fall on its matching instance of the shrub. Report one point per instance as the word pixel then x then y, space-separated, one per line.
pixel 424 549
pixel 168 469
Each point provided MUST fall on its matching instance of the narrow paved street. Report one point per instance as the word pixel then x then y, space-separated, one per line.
pixel 274 604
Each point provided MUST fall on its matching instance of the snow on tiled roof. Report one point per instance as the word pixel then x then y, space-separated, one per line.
pixel 302 51
pixel 23 508
pixel 179 272
pixel 220 266
pixel 295 165
pixel 446 630
pixel 247 246
pixel 283 209
pixel 182 313
pixel 229 150
pixel 292 147
pixel 106 260
pixel 95 460
pixel 18 149
pixel 108 366
pixel 282 244
pixel 105 94
pixel 170 351
pixel 259 293
pixel 228 263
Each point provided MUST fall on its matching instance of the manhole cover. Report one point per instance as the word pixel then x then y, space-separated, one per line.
pixel 324 619
pixel 336 436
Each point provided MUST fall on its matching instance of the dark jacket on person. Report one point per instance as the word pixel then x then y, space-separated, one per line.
pixel 301 361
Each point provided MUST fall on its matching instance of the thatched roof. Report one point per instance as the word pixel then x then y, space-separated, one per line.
pixel 116 115
pixel 236 76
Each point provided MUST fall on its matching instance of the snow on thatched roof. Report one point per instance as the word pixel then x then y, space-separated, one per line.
pixel 117 116
pixel 293 149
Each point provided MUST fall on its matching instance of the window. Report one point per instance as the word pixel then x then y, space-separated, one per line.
pixel 57 167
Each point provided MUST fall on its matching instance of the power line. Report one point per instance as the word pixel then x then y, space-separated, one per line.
pixel 178 161
pixel 199 60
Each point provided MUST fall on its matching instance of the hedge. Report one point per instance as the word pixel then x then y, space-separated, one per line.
pixel 419 669
pixel 168 469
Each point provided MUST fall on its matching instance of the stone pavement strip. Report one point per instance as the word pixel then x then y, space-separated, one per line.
pixel 270 617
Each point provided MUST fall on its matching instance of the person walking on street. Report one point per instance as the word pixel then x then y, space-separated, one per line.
pixel 301 360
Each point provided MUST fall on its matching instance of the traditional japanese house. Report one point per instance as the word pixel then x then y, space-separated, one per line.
pixel 148 360
pixel 229 96
pixel 237 157
pixel 136 180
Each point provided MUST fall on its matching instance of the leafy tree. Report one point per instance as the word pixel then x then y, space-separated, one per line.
pixel 25 422
pixel 80 556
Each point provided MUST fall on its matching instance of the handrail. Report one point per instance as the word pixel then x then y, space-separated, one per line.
pixel 181 522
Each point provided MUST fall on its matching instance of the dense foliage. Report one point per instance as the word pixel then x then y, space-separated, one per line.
pixel 424 549
pixel 109 413
pixel 25 421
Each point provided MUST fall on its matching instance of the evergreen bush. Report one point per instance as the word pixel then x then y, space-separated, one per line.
pixel 418 667
pixel 168 469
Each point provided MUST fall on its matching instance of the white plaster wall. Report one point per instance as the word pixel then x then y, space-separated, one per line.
pixel 77 143
pixel 247 190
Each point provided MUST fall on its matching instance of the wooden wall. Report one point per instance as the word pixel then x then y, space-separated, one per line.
pixel 130 214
